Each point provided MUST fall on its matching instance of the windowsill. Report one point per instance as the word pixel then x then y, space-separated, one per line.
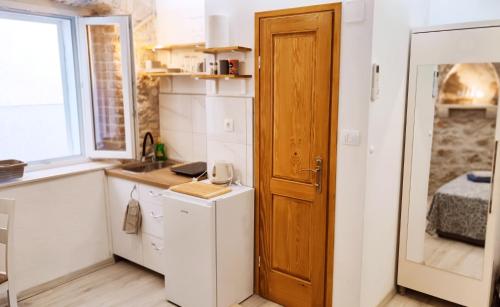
pixel 58 172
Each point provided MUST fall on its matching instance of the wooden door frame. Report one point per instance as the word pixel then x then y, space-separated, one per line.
pixel 336 8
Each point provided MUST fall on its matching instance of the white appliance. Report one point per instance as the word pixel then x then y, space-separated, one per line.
pixel 209 254
pixel 222 173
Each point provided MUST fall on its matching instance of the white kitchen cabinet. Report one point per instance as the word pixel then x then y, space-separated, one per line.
pixel 128 246
pixel 146 247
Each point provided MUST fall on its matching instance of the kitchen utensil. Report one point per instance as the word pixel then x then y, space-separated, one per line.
pixel 201 189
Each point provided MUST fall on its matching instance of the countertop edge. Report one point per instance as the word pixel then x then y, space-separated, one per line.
pixel 163 178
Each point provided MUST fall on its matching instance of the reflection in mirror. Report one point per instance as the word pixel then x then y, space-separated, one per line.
pixel 452 161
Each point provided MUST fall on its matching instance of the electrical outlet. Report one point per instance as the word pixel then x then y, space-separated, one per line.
pixel 228 125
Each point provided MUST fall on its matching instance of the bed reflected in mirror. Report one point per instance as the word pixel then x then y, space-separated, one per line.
pixel 452 163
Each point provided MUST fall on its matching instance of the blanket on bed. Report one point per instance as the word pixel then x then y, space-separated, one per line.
pixel 459 210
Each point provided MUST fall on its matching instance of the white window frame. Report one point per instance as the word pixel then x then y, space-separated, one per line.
pixel 68 50
pixel 127 86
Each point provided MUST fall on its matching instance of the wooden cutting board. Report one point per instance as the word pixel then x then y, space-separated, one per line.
pixel 200 189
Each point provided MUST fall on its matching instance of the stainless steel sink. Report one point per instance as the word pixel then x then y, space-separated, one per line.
pixel 145 167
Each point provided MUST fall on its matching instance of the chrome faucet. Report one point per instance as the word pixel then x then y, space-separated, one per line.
pixel 151 155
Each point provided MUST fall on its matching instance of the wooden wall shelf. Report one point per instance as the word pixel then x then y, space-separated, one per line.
pixel 218 77
pixel 195 46
pixel 197 75
pixel 169 74
pixel 215 50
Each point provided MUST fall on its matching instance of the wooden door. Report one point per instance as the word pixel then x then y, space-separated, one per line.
pixel 295 117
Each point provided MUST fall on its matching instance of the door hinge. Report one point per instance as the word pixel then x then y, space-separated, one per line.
pixel 259 61
pixel 258 261
pixel 435 84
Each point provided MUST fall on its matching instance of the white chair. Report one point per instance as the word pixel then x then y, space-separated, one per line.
pixel 7 283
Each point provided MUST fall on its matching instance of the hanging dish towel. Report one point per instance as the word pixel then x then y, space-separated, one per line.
pixel 133 217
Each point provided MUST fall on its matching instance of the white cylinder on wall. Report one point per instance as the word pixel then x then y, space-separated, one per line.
pixel 217 34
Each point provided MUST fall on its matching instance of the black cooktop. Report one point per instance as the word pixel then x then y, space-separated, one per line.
pixel 194 169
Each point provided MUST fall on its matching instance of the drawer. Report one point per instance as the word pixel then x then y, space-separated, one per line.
pixel 150 195
pixel 152 219
pixel 153 253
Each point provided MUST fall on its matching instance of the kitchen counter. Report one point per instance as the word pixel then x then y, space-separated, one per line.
pixel 163 178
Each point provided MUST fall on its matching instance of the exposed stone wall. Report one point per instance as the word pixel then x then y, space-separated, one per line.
pixel 462 142
pixel 148 109
pixel 148 88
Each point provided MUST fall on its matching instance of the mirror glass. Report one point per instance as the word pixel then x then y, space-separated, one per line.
pixel 452 161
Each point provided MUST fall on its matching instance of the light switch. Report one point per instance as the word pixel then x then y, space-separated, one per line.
pixel 228 125
pixel 350 137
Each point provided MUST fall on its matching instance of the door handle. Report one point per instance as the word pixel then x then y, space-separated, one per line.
pixel 155 216
pixel 318 170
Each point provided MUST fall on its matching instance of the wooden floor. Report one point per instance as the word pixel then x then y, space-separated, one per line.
pixel 454 256
pixel 127 285
pixel 415 299
pixel 123 284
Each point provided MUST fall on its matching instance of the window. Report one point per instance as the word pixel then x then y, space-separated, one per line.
pixel 44 116
pixel 106 62
pixel 38 100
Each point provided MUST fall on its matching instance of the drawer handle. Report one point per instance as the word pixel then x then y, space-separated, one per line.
pixel 153 194
pixel 155 216
pixel 155 247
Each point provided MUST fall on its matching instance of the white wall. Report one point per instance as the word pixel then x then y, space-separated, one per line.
pixel 234 146
pixel 385 140
pixel 459 11
pixel 180 22
pixel 60 227
pixel 353 114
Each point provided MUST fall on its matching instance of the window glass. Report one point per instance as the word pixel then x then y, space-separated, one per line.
pixel 38 106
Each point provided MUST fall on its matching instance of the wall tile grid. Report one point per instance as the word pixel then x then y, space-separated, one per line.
pixel 183 126
pixel 192 125
pixel 234 146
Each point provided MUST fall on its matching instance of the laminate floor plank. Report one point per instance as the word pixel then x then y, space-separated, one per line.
pixel 124 284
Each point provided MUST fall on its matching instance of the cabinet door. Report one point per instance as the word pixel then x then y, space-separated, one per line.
pixel 128 246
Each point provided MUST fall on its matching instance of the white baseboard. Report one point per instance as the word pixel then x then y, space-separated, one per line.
pixel 63 279
pixel 387 298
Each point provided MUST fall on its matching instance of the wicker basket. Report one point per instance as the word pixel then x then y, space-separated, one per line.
pixel 11 169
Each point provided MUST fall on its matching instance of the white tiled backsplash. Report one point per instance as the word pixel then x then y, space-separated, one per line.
pixel 183 126
pixel 235 146
pixel 192 127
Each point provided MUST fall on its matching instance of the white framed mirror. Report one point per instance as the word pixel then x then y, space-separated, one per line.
pixel 453 155
pixel 448 244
